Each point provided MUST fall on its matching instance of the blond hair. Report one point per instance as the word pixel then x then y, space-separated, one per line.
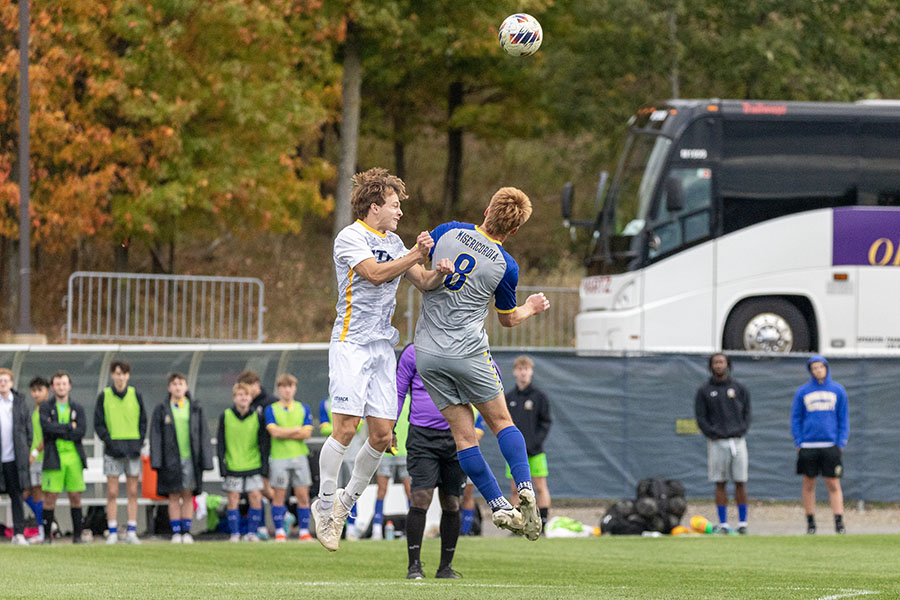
pixel 523 361
pixel 374 186
pixel 5 371
pixel 285 379
pixel 509 209
pixel 240 387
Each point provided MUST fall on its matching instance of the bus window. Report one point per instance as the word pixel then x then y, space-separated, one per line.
pixel 692 222
pixel 771 169
pixel 639 177
pixel 880 151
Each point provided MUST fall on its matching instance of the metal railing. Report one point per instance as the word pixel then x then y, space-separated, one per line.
pixel 553 329
pixel 164 308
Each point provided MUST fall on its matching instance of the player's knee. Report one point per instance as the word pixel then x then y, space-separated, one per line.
pixel 421 499
pixel 449 502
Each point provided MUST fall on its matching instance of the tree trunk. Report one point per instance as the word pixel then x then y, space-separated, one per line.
pixel 453 173
pixel 121 257
pixel 399 148
pixel 351 83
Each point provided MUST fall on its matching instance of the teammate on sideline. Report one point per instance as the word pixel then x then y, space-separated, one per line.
pixel 243 448
pixel 453 357
pixel 289 424
pixel 15 444
pixel 530 410
pixel 40 392
pixel 180 450
pixel 369 258
pixel 120 421
pixel 392 466
pixel 63 423
pixel 261 399
pixel 722 410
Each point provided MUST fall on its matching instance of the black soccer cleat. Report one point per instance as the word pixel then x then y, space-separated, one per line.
pixel 810 528
pixel 447 572
pixel 415 570
pixel 840 529
pixel 742 530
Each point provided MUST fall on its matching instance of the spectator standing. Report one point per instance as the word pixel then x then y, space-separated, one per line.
pixel 120 421
pixel 722 409
pixel 15 445
pixel 821 427
pixel 530 411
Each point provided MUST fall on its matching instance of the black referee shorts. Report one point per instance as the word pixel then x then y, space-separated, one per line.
pixel 432 462
pixel 825 461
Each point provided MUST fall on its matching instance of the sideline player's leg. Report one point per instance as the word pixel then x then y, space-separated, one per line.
pixel 512 445
pixel 462 424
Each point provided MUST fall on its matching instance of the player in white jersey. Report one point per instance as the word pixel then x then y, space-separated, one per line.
pixel 453 357
pixel 369 259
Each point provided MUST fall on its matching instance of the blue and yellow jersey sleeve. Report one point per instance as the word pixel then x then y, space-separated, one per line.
pixel 505 295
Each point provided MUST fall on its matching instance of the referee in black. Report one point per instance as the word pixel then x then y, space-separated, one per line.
pixel 432 463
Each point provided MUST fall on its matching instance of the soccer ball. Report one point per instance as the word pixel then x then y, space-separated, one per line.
pixel 520 35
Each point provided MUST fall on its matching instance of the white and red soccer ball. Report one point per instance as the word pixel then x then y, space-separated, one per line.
pixel 520 35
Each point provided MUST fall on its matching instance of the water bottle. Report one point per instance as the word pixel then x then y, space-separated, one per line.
pixel 389 530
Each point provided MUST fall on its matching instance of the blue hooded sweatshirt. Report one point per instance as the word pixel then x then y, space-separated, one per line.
pixel 819 414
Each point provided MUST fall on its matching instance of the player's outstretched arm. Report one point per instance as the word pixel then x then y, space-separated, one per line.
pixel 535 304
pixel 425 279
pixel 377 273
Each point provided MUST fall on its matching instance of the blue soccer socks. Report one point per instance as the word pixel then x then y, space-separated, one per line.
pixel 467 516
pixel 234 521
pixel 472 462
pixel 278 513
pixel 512 445
pixel 378 518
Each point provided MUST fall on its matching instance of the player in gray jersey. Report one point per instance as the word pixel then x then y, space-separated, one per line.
pixel 453 357
pixel 369 259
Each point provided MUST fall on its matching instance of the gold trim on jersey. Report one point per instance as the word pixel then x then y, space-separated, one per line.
pixel 375 231
pixel 347 311
pixel 482 232
pixel 505 312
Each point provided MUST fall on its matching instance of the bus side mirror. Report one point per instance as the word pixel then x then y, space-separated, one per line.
pixel 568 195
pixel 674 195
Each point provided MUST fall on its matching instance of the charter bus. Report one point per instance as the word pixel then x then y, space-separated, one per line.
pixel 763 226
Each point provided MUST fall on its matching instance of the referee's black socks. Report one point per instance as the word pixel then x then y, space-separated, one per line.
pixel 48 525
pixel 415 531
pixel 449 536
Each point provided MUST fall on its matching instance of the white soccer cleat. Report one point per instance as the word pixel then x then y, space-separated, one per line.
pixel 112 538
pixel 19 540
pixel 187 538
pixel 176 538
pixel 377 532
pixel 235 538
pixel 509 518
pixel 251 537
pixel 530 513
pixel 132 538
pixel 324 530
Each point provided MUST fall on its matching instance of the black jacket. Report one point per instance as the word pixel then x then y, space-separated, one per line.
pixel 54 430
pixel 164 455
pixel 119 448
pixel 261 401
pixel 722 409
pixel 530 411
pixel 22 436
pixel 262 439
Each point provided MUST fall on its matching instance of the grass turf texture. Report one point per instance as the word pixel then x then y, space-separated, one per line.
pixel 807 568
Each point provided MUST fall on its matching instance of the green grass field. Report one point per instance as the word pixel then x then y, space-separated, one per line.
pixel 794 567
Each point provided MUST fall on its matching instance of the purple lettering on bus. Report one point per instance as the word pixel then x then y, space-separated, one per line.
pixel 866 236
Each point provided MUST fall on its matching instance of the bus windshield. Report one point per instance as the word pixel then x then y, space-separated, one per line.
pixel 636 181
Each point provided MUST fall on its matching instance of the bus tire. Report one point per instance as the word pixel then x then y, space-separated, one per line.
pixel 767 320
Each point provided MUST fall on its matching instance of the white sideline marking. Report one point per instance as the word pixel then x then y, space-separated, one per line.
pixel 844 592
pixel 394 583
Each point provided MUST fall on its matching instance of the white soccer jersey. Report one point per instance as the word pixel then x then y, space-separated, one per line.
pixel 364 310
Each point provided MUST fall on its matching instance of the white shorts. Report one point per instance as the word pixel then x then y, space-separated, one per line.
pixel 362 379
pixel 115 467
